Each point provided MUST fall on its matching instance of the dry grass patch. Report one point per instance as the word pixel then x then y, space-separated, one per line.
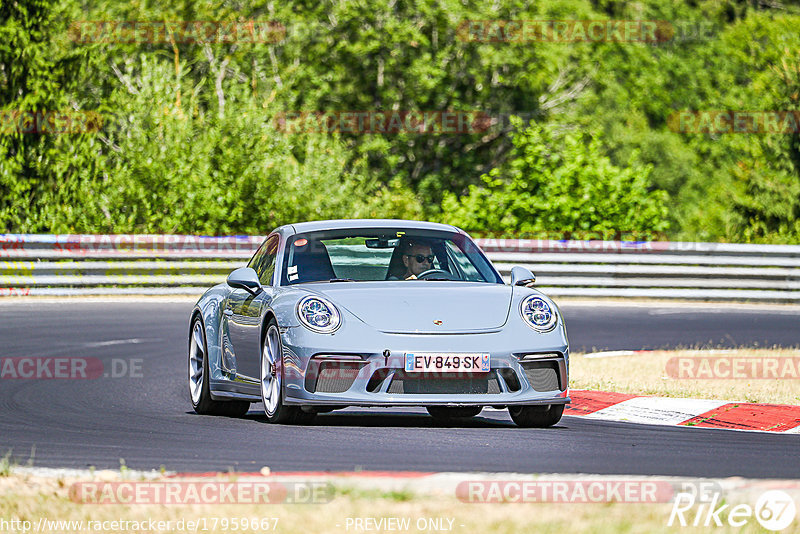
pixel 664 373
pixel 32 498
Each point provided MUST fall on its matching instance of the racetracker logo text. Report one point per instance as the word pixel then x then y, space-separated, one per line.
pixel 384 122
pixel 727 368
pixel 731 121
pixel 178 32
pixel 566 491
pixel 69 368
pixel 565 31
pixel 49 122
pixel 183 492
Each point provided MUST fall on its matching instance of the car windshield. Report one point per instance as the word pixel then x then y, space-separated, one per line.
pixel 363 254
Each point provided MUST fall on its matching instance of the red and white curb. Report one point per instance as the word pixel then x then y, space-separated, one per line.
pixel 684 412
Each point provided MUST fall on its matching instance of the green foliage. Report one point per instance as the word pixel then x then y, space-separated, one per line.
pixel 766 205
pixel 176 167
pixel 34 73
pixel 190 143
pixel 558 181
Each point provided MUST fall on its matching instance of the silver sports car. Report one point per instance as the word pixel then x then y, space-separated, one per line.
pixel 331 314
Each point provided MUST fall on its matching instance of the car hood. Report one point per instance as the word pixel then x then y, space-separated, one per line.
pixel 423 306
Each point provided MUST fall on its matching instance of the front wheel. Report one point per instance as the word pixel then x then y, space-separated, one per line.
pixel 272 382
pixel 536 416
pixel 199 387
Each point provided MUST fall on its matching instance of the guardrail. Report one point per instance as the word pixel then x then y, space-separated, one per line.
pixel 175 264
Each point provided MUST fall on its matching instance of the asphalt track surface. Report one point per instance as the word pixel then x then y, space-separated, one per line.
pixel 148 421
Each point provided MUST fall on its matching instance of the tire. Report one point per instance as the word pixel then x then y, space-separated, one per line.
pixel 271 383
pixel 199 387
pixel 450 413
pixel 536 416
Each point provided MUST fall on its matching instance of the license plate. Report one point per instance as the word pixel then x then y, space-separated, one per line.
pixel 420 362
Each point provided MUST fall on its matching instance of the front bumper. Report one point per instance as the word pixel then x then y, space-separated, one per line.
pixel 368 370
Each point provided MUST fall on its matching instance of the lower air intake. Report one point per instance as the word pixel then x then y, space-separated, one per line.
pixel 335 377
pixel 542 376
pixel 422 384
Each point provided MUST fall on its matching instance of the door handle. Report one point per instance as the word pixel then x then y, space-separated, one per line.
pixel 228 312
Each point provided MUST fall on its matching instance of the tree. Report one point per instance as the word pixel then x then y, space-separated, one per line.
pixel 559 182
pixel 35 76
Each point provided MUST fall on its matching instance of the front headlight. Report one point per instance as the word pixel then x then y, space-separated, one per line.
pixel 318 314
pixel 538 314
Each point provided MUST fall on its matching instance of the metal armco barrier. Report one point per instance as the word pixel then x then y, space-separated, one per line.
pixel 175 264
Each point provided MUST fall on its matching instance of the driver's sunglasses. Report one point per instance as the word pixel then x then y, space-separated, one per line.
pixel 421 257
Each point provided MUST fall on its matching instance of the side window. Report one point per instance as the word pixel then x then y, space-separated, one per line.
pixel 264 260
pixel 267 267
pixel 255 261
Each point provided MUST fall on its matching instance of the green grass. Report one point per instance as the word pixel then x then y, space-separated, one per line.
pixel 367 494
pixel 6 464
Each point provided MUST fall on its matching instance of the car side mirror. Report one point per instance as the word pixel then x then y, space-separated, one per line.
pixel 245 278
pixel 520 276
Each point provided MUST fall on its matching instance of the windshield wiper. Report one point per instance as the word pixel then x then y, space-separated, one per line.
pixel 341 280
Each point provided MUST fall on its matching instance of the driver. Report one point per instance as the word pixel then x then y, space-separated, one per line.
pixel 417 259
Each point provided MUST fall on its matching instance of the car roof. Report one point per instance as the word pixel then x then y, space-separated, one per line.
pixel 339 224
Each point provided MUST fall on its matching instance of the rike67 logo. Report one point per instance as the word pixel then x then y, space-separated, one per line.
pixel 775 510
